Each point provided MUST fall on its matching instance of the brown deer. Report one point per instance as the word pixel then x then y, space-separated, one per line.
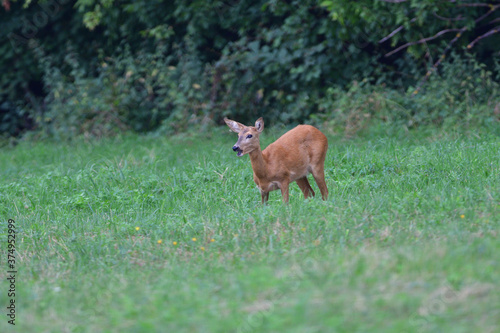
pixel 292 157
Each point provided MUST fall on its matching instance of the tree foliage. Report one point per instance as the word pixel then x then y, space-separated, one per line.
pixel 100 66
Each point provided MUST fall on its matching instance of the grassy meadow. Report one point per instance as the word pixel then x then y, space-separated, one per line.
pixel 158 234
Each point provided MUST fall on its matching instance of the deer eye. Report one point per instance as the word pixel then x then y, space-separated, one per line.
pixel 249 136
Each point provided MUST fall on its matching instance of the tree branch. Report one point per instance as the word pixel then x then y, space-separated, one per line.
pixel 492 9
pixel 398 29
pixel 460 31
pixel 474 5
pixel 423 40
pixel 458 18
pixel 437 63
pixel 394 1
pixel 494 20
pixel 440 33
pixel 454 1
pixel 489 33
pixel 442 57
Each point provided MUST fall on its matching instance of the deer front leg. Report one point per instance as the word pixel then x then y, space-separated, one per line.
pixel 284 191
pixel 264 196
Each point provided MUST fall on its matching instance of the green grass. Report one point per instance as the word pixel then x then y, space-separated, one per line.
pixel 407 242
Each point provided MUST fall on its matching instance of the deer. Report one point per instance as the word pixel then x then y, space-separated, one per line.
pixel 294 155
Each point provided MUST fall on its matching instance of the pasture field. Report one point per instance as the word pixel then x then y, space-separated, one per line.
pixel 150 234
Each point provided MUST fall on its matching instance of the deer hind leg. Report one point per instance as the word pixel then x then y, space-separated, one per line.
pixel 318 173
pixel 305 187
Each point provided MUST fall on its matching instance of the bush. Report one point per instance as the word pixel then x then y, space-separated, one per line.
pixel 147 92
pixel 463 93
pixel 166 65
pixel 142 93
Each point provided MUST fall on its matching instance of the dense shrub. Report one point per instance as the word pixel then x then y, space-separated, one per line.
pixel 463 93
pixel 98 67
pixel 129 92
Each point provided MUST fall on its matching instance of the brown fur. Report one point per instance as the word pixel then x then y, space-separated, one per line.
pixel 292 157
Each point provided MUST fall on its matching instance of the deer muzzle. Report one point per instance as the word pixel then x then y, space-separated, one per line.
pixel 238 150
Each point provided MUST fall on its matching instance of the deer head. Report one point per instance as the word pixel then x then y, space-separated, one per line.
pixel 248 136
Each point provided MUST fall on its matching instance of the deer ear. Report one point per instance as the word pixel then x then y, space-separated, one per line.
pixel 233 125
pixel 259 124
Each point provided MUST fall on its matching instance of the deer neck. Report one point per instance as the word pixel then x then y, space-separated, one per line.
pixel 258 164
